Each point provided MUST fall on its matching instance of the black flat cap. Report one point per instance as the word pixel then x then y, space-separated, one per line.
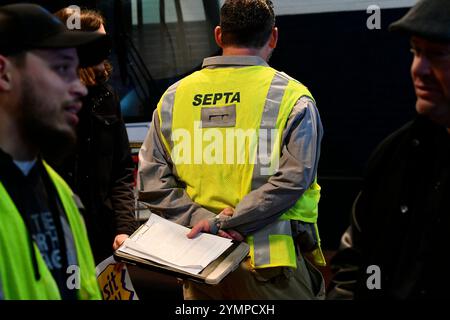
pixel 429 19
pixel 25 27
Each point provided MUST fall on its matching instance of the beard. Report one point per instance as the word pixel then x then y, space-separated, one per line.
pixel 53 143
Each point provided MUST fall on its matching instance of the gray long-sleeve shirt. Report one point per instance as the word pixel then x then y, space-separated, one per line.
pixel 165 194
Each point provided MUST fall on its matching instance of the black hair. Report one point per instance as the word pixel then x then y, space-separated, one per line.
pixel 247 23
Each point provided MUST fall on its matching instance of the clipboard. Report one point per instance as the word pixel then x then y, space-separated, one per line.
pixel 212 274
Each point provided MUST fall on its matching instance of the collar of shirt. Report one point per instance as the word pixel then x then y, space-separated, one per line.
pixel 221 61
pixel 25 166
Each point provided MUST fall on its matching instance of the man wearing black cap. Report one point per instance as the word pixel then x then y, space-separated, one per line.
pixel 401 218
pixel 44 250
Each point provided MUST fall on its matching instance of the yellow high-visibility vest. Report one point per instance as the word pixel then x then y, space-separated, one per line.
pixel 17 276
pixel 223 129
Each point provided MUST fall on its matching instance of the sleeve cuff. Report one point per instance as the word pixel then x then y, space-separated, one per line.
pixel 214 225
pixel 201 214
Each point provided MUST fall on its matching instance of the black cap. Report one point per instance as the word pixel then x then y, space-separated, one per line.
pixel 429 19
pixel 26 26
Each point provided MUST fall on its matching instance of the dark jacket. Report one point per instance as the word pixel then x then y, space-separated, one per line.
pixel 402 218
pixel 101 170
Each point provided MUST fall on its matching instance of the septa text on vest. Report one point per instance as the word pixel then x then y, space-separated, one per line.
pixel 209 99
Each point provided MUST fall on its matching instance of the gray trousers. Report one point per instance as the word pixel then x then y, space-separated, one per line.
pixel 246 283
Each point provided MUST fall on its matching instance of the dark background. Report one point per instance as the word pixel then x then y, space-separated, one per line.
pixel 361 81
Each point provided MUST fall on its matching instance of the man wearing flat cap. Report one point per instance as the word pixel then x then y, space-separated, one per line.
pixel 44 249
pixel 401 219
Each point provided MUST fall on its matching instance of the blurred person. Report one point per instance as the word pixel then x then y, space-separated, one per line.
pixel 401 217
pixel 44 248
pixel 101 169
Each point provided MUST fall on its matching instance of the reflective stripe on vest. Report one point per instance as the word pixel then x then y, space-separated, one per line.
pixel 17 276
pixel 306 207
pixel 270 141
pixel 268 124
pixel 261 241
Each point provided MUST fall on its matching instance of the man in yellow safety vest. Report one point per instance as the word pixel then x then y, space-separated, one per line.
pixel 44 249
pixel 233 150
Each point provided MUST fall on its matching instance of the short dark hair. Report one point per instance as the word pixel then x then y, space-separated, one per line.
pixel 247 23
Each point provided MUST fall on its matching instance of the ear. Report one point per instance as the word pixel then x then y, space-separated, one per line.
pixel 218 36
pixel 273 38
pixel 5 74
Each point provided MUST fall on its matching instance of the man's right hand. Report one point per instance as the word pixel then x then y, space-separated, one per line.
pixel 230 233
pixel 203 226
pixel 233 234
